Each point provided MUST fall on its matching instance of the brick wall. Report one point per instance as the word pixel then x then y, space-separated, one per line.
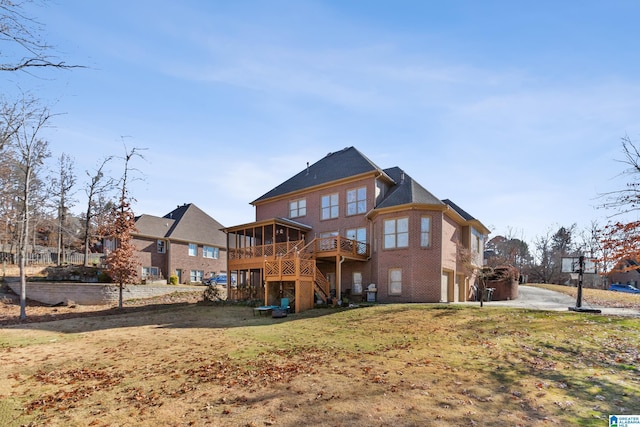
pixel 422 267
pixel 280 208
pixel 180 259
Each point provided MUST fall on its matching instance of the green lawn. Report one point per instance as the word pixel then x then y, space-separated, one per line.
pixel 386 365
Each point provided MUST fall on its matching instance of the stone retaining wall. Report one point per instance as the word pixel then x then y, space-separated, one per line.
pixel 94 293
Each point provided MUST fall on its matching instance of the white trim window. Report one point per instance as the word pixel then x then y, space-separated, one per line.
pixel 357 283
pixel 396 233
pixel 360 235
pixel 196 276
pixel 425 231
pixel 162 247
pixel 357 201
pixel 150 272
pixel 210 252
pixel 395 281
pixel 329 206
pixel 193 249
pixel 297 208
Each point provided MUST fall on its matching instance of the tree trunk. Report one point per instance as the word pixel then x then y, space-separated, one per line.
pixel 120 295
pixel 23 286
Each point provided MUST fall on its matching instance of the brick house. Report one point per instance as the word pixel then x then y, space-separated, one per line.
pixel 186 242
pixel 343 228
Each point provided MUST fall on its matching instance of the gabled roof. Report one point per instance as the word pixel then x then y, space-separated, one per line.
pixel 406 191
pixel 153 226
pixel 186 223
pixel 334 166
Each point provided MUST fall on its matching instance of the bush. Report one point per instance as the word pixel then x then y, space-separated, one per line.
pixel 212 294
pixel 104 277
pixel 501 273
pixel 173 279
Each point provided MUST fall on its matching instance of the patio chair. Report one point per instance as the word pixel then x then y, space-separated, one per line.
pixel 284 304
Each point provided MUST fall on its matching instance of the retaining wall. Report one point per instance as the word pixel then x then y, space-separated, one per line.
pixel 94 293
pixel 505 289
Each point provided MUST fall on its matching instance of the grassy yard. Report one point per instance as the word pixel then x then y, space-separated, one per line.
pixel 391 365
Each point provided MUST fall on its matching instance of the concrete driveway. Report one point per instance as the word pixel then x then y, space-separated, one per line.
pixel 535 298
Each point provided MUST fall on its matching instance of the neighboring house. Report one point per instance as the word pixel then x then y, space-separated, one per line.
pixel 344 228
pixel 186 242
pixel 626 271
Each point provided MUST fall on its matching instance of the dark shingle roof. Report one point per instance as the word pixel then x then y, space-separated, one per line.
pixel 459 210
pixel 186 223
pixel 351 162
pixel 334 166
pixel 406 191
pixel 153 226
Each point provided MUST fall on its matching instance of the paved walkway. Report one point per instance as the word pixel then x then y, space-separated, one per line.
pixel 543 299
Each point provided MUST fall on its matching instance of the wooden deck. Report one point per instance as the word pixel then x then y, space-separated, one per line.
pixel 326 247
pixel 295 261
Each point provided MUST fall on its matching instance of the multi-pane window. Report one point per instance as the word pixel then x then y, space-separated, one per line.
pixel 357 283
pixel 329 206
pixel 328 240
pixel 297 208
pixel 425 231
pixel 476 241
pixel 395 281
pixel 396 233
pixel 150 272
pixel 357 201
pixel 196 275
pixel 360 235
pixel 161 247
pixel 193 249
pixel 210 252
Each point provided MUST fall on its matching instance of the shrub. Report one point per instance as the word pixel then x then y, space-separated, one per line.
pixel 212 294
pixel 173 279
pixel 104 277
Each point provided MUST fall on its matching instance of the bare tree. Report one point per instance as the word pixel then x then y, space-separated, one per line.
pixel 467 265
pixel 626 199
pixel 621 239
pixel 31 154
pixel 21 37
pixel 97 187
pixel 544 269
pixel 61 191
pixel 122 264
pixel 9 119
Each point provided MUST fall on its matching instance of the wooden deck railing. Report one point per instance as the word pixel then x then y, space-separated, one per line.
pixel 262 251
pixel 289 268
pixel 321 246
pixel 340 246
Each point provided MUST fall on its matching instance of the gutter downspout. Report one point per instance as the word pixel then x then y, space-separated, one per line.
pixel 339 280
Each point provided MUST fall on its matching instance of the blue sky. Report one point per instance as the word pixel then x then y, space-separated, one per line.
pixel 512 109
